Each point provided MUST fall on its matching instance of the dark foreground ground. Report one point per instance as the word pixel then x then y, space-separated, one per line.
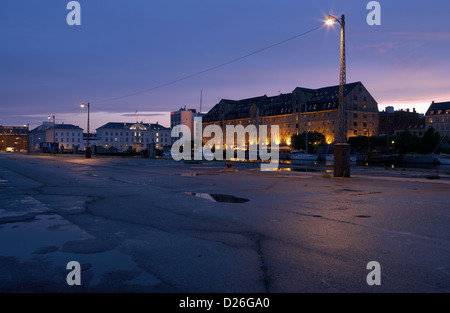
pixel 140 225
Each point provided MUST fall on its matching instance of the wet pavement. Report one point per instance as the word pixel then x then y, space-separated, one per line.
pixel 140 225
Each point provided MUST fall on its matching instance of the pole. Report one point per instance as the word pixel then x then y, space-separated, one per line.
pixel 88 131
pixel 88 151
pixel 342 149
pixel 54 140
pixel 342 82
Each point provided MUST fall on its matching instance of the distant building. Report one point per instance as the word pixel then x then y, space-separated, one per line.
pixel 438 117
pixel 416 126
pixel 303 109
pixel 390 119
pixel 66 137
pixel 133 136
pixel 13 138
pixel 184 117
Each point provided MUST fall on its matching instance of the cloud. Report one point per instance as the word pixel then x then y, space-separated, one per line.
pixel 143 114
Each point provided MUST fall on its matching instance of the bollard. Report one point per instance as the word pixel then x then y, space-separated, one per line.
pixel 342 153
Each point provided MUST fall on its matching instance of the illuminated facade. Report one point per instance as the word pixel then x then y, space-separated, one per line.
pixel 303 109
pixel 13 138
pixel 133 136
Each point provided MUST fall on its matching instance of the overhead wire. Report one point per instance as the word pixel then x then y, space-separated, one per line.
pixel 208 69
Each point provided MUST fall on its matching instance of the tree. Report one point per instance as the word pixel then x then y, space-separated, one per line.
pixel 430 141
pixel 315 139
pixel 406 142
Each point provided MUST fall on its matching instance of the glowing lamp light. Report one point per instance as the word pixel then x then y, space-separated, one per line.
pixel 329 21
pixel 329 140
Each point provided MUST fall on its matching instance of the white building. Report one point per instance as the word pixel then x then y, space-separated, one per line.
pixel 133 136
pixel 66 136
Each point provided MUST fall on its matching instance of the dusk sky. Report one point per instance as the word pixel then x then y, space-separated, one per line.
pixel 123 48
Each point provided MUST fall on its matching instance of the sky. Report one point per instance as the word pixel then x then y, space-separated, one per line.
pixel 123 50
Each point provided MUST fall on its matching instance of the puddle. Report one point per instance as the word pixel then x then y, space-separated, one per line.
pixel 218 197
pixel 196 174
pixel 290 169
pixel 55 240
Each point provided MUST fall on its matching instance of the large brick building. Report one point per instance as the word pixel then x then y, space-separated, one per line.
pixel 303 109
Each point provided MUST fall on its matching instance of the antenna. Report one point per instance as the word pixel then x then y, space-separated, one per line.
pixel 201 100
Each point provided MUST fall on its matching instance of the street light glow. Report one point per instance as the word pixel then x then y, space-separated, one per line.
pixel 329 21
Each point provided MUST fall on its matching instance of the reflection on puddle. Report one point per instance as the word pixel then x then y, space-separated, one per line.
pixel 196 174
pixel 218 197
pixel 293 169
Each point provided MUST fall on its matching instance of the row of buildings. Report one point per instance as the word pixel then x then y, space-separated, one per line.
pixel 303 109
pixel 49 137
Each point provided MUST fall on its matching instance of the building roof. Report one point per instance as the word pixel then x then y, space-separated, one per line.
pixel 439 108
pixel 323 99
pixel 47 125
pixel 128 126
pixel 411 124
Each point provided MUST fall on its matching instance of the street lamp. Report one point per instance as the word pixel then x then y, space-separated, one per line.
pixel 341 148
pixel 54 140
pixel 88 151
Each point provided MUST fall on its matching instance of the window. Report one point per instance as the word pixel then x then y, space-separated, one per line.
pixel 355 124
pixel 355 132
pixel 365 124
pixel 355 97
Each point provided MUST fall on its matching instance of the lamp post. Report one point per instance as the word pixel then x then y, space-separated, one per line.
pixel 54 140
pixel 88 151
pixel 341 148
